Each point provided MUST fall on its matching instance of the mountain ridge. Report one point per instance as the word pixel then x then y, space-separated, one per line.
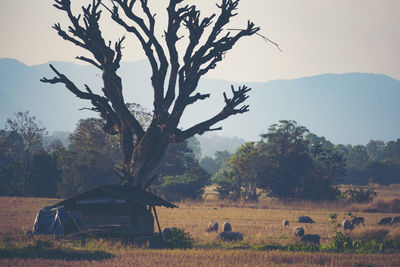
pixel 344 107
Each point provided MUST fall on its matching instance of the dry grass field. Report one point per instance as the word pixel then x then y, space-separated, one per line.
pixel 189 258
pixel 260 224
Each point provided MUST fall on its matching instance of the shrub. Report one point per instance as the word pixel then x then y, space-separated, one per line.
pixel 358 195
pixel 178 238
pixel 189 185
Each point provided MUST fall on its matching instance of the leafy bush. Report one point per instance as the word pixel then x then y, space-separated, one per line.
pixel 358 195
pixel 339 241
pixel 188 185
pixel 178 238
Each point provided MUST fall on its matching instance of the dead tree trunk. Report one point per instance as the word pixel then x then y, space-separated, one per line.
pixel 142 149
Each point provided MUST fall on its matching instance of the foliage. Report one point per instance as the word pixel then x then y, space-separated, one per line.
pixel 374 149
pixel 359 195
pixel 299 169
pixel 31 132
pixel 90 160
pixel 316 140
pixel 44 176
pixel 357 157
pixel 228 185
pixel 180 175
pixel 339 240
pixel 377 162
pixel 383 172
pixel 25 168
pixel 178 239
pixel 188 185
pixel 209 165
pixel 11 158
pixel 286 165
pixel 242 177
pixel 370 241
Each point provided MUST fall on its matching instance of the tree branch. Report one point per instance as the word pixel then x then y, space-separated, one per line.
pixel 90 61
pixel 100 103
pixel 209 54
pixel 160 73
pixel 196 97
pixel 238 97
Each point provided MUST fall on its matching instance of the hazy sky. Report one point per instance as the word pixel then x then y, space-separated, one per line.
pixel 316 36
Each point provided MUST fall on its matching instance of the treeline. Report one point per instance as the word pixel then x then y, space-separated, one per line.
pixel 288 162
pixel 30 166
pixel 291 162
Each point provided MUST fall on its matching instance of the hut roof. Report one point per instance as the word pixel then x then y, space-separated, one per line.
pixel 128 193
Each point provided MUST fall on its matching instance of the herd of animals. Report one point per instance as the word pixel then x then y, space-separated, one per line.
pixel 228 235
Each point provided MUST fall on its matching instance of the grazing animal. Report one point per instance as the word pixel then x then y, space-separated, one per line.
pixel 396 220
pixel 227 227
pixel 311 238
pixel 347 225
pixel 212 227
pixel 357 221
pixel 285 223
pixel 168 232
pixel 305 219
pixel 230 236
pixel 385 221
pixel 299 231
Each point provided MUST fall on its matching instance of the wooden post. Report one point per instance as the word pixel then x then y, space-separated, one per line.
pixel 158 223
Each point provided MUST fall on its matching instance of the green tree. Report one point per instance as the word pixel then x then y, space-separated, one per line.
pixel 287 151
pixel 245 164
pixel 179 174
pixel 328 167
pixel 374 149
pixel 90 161
pixel 228 184
pixel 11 159
pixel 285 164
pixel 32 135
pixel 342 150
pixel 209 164
pixel 382 172
pixel 222 158
pixel 357 157
pixel 314 140
pixel 189 185
pixel 43 176
pixel 392 151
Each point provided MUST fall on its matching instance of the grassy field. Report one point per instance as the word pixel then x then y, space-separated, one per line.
pixel 260 224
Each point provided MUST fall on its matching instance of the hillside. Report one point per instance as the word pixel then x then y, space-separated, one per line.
pixel 345 108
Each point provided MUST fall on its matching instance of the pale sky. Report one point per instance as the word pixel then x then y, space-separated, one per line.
pixel 316 36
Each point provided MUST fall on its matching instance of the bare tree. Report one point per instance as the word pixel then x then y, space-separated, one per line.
pixel 174 79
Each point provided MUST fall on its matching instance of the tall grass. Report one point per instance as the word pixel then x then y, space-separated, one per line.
pixel 378 206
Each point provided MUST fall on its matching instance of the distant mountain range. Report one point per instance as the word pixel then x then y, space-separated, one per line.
pixel 345 108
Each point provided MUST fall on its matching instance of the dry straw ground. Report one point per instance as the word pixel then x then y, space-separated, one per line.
pixel 260 223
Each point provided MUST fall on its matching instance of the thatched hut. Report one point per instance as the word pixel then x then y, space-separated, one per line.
pixel 114 210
